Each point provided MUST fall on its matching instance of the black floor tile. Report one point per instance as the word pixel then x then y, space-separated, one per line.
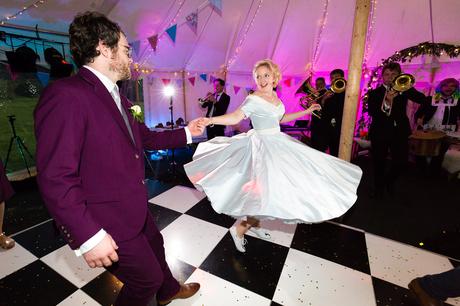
pixel 25 208
pixel 333 242
pixel 388 294
pixel 104 289
pixel 203 210
pixel 180 270
pixel 35 284
pixel 163 216
pixel 155 187
pixel 257 270
pixel 41 240
pixel 275 304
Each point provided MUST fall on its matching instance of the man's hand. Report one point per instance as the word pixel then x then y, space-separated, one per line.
pixel 103 254
pixel 196 126
pixel 390 96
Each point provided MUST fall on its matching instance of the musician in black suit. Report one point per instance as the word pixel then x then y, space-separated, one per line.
pixel 332 114
pixel 440 112
pixel 217 105
pixel 390 128
pixel 318 127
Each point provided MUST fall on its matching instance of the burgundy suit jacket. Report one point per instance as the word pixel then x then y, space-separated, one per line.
pixel 90 173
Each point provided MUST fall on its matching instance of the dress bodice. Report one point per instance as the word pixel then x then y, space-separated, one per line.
pixel 262 113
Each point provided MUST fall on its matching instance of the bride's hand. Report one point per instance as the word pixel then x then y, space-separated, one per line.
pixel 313 107
pixel 205 121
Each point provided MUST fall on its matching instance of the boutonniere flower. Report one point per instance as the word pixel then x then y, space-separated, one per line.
pixel 136 111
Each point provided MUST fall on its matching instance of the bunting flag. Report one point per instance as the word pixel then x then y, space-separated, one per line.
pixel 287 82
pixel 236 89
pixel 204 77
pixel 166 81
pixel 43 77
pixel 192 81
pixel 211 79
pixel 249 90
pixel 135 45
pixel 192 21
pixel 153 40
pixel 216 5
pixel 297 80
pixel 171 31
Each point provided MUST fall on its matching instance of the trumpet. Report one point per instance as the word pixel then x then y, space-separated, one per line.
pixel 205 99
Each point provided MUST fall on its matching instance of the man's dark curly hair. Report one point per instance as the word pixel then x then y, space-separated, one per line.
pixel 86 30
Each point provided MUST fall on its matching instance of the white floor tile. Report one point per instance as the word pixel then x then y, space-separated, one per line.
pixel 14 259
pixel 217 291
pixel 78 298
pixel 191 240
pixel 178 198
pixel 399 263
pixel 73 268
pixel 280 232
pixel 310 280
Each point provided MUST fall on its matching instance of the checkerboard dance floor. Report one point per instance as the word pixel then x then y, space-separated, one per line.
pixel 321 264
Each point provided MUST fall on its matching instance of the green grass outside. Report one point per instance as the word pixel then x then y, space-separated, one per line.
pixel 22 108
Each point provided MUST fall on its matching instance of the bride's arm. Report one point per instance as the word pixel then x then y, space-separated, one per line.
pixel 227 119
pixel 294 116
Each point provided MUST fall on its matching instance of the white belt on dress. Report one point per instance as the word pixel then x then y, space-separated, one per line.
pixel 269 131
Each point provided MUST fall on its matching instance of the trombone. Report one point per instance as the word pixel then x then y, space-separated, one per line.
pixel 338 85
pixel 400 84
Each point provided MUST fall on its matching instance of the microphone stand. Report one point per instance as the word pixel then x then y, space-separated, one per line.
pixel 172 163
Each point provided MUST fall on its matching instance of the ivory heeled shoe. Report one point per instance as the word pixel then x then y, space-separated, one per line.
pixel 261 233
pixel 240 242
pixel 6 242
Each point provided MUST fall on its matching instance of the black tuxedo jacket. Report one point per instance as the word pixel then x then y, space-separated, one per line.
pixel 397 123
pixel 220 107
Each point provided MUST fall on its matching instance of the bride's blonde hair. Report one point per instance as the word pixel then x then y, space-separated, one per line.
pixel 274 68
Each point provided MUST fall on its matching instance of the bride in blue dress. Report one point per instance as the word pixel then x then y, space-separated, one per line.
pixel 266 174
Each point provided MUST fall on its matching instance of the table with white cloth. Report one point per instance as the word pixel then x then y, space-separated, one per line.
pixel 451 162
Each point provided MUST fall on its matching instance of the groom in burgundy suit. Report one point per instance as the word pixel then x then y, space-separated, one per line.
pixel 91 170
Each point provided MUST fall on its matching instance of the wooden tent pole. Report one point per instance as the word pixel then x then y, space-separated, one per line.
pixel 358 42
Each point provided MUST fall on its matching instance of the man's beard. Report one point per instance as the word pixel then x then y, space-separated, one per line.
pixel 123 70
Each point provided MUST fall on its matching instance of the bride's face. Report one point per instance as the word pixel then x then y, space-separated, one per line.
pixel 264 79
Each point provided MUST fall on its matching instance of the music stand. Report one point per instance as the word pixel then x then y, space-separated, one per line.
pixel 19 143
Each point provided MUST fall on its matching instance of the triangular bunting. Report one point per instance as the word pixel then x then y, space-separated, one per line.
pixel 236 89
pixel 249 90
pixel 211 79
pixel 297 80
pixel 192 21
pixel 192 81
pixel 135 45
pixel 153 40
pixel 204 77
pixel 166 81
pixel 287 82
pixel 216 5
pixel 43 77
pixel 171 31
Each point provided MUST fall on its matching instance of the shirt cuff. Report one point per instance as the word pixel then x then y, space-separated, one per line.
pixel 91 243
pixel 188 134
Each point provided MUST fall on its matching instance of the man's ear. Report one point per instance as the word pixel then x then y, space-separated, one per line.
pixel 104 50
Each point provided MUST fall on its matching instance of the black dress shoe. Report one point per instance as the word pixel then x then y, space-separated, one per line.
pixel 423 298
